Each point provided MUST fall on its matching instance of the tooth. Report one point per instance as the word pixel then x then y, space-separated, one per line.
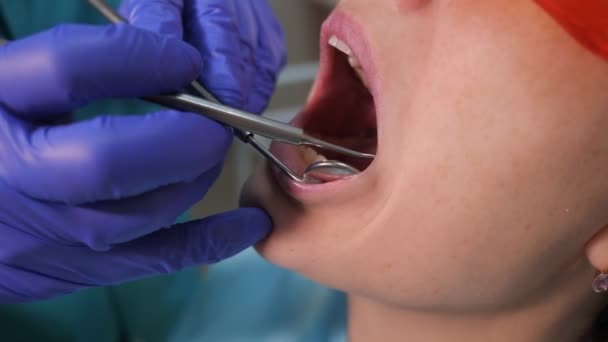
pixel 362 77
pixel 340 45
pixel 306 154
pixel 354 62
pixel 310 156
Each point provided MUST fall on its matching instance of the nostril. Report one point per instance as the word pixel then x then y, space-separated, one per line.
pixel 405 6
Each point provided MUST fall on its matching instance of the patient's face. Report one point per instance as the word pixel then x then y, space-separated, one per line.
pixel 492 156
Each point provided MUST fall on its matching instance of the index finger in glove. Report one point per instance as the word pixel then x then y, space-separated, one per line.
pixel 243 49
pixel 223 35
pixel 70 66
pixel 159 16
pixel 226 41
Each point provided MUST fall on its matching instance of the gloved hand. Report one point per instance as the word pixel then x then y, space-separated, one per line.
pixel 241 43
pixel 93 203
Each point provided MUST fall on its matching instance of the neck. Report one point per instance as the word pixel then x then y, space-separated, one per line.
pixel 555 317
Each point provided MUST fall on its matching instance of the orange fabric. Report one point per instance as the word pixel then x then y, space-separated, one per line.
pixel 586 20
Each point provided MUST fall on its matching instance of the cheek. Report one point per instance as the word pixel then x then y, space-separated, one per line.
pixel 497 194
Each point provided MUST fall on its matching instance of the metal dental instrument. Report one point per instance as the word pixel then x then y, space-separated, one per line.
pixel 247 124
pixel 256 124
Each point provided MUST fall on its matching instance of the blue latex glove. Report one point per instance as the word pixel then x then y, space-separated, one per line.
pixel 93 203
pixel 241 43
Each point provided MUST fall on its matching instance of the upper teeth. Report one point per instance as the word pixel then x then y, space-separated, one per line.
pixel 352 60
pixel 340 45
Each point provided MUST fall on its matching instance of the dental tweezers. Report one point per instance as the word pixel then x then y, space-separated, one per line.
pixel 252 123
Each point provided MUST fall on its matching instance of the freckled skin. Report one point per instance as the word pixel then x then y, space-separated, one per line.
pixel 490 179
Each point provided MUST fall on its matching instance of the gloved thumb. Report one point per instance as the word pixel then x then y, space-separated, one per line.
pixel 194 243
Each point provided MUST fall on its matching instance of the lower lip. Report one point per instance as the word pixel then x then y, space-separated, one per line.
pixel 291 156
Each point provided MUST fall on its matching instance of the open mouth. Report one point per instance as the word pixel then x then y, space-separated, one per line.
pixel 341 108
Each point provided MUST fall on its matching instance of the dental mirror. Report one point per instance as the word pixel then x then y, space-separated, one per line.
pixel 327 171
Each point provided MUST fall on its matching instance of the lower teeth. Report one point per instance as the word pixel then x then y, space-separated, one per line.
pixel 310 155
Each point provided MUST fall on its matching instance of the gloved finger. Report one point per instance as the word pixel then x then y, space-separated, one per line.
pixel 225 40
pixel 199 242
pixel 189 244
pixel 22 285
pixel 154 211
pixel 101 225
pixel 69 66
pixel 109 157
pixel 159 16
pixel 271 57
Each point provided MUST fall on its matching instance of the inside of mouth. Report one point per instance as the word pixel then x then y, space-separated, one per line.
pixel 343 112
